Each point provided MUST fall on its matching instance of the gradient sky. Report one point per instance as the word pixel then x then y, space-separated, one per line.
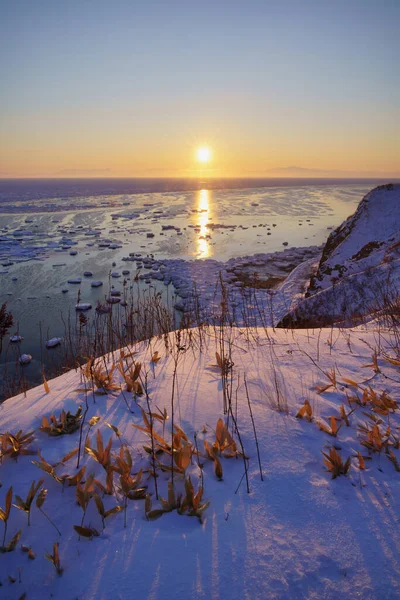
pixel 132 88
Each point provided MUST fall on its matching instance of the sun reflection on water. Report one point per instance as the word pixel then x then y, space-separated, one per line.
pixel 203 217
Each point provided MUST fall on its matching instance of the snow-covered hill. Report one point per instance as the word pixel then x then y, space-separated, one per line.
pixel 360 264
pixel 298 534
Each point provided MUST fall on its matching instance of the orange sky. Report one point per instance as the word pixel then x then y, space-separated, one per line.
pixel 131 90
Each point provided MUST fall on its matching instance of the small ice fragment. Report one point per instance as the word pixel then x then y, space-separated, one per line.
pixel 16 338
pixel 83 306
pixel 53 342
pixel 25 359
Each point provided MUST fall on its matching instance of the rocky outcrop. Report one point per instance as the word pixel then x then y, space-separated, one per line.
pixel 359 267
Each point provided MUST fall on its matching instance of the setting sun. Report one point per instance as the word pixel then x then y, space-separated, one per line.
pixel 204 154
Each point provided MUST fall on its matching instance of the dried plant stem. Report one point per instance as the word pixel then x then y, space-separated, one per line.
pixel 254 427
pixel 176 358
pixel 198 461
pixel 125 507
pixel 153 451
pixel 242 447
pixel 81 430
pixel 48 518
pixel 5 533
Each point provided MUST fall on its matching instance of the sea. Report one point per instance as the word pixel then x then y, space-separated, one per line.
pixel 55 230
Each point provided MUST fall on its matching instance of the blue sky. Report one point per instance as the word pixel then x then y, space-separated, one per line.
pixel 134 86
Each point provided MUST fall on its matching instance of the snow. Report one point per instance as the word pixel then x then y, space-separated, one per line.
pixel 360 264
pixel 297 534
pixel 53 342
pixel 25 359
pixel 82 306
pixel 364 239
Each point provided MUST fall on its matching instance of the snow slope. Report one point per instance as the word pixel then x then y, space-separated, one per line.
pixel 360 264
pixel 297 534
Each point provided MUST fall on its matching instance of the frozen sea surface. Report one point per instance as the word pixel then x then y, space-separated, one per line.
pixel 51 232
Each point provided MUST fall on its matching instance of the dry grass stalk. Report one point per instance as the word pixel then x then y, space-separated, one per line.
pixel 333 430
pixel 46 385
pixel 254 427
pixel 25 505
pixel 66 423
pixel 101 510
pixel 131 375
pixel 393 459
pixel 88 532
pixel 54 558
pixel 5 512
pixel 130 489
pixel 84 494
pixel 334 463
pixel 103 454
pixel 374 364
pixel 331 375
pixel 305 412
pixel 190 504
pixel 223 445
pixel 361 461
pixel 375 440
pixel 12 544
pixel 382 404
pixel 40 500
pixel 14 445
pixel 51 470
pixel 102 380
pixel 155 357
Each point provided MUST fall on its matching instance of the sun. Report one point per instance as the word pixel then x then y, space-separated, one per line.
pixel 203 154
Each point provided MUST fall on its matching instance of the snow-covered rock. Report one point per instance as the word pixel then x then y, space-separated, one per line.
pixel 359 270
pixel 82 306
pixel 16 338
pixel 53 342
pixel 364 241
pixel 25 359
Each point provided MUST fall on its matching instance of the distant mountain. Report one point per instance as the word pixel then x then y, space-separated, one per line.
pixel 294 171
pixel 359 270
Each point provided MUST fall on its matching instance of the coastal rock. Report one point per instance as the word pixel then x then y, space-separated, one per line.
pixel 25 359
pixel 103 309
pixel 363 241
pixel 96 284
pixel 53 342
pixel 16 338
pixel 359 270
pixel 83 306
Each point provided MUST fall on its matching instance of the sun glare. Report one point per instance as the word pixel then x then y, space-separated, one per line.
pixel 203 154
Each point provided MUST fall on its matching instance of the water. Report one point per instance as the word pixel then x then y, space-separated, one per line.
pixel 42 221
